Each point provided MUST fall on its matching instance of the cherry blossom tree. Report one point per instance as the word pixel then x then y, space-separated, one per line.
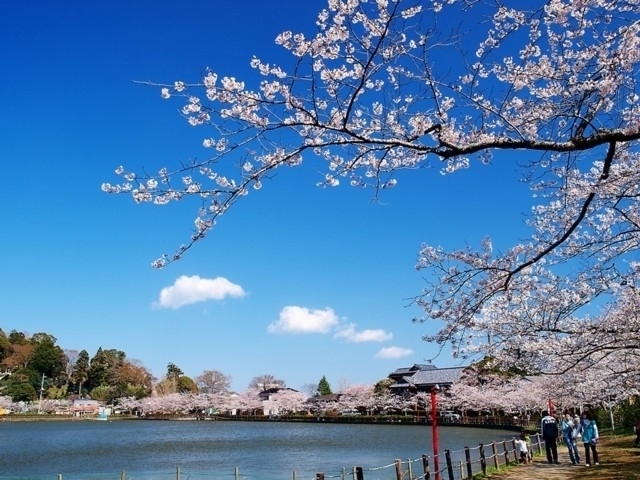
pixel 359 396
pixel 248 401
pixel 387 86
pixel 5 402
pixel 287 401
pixel 213 381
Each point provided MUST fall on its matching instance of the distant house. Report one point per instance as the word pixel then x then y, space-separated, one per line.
pixel 421 378
pixel 266 394
pixel 82 407
pixel 269 405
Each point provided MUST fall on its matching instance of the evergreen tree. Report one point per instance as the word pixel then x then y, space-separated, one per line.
pixel 323 386
pixel 47 358
pixel 104 368
pixel 80 372
pixel 173 371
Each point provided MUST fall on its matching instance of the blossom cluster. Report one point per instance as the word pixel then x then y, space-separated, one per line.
pixel 386 86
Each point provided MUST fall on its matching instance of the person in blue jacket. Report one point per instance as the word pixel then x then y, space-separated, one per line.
pixel 549 429
pixel 590 438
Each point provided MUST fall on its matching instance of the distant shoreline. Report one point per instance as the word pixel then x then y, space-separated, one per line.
pixel 494 425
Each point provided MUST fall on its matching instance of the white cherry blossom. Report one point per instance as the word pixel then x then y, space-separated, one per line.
pixel 398 86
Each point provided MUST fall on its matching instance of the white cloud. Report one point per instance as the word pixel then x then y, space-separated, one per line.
pixel 187 290
pixel 349 333
pixel 302 320
pixel 394 352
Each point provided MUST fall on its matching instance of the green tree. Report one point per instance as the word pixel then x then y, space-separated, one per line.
pixel 382 386
pixel 173 371
pixel 21 385
pixel 323 387
pixel 17 338
pixel 47 358
pixel 20 391
pixel 105 368
pixel 80 371
pixel 186 385
pixel 104 393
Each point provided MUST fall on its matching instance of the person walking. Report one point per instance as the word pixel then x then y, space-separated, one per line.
pixel 568 431
pixel 590 438
pixel 637 429
pixel 549 429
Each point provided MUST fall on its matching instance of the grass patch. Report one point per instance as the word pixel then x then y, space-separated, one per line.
pixel 619 460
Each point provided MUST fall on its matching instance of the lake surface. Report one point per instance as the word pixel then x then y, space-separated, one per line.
pixel 201 450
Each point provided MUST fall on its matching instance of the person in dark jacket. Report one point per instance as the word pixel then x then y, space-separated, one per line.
pixel 549 429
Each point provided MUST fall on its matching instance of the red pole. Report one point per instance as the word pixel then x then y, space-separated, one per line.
pixel 434 427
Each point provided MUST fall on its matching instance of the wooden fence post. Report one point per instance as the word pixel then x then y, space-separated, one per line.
pixel 447 456
pixel 409 470
pixel 494 449
pixel 515 452
pixel 343 474
pixel 425 467
pixel 483 460
pixel 122 476
pixel 294 477
pixel 539 444
pixel 178 472
pixel 359 473
pixel 506 452
pixel 398 463
pixel 467 458
pixel 319 476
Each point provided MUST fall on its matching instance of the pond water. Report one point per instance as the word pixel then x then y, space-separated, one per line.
pixel 154 449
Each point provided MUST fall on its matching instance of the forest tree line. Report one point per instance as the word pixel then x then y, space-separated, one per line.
pixel 33 367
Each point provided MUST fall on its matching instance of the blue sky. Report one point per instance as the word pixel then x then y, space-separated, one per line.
pixel 297 281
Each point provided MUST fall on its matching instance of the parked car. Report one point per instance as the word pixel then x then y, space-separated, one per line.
pixel 350 412
pixel 450 416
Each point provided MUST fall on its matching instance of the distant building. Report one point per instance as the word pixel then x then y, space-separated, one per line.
pixel 421 378
pixel 266 394
pixel 82 407
pixel 269 405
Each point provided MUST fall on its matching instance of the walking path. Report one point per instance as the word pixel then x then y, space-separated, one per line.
pixel 540 469
pixel 619 461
